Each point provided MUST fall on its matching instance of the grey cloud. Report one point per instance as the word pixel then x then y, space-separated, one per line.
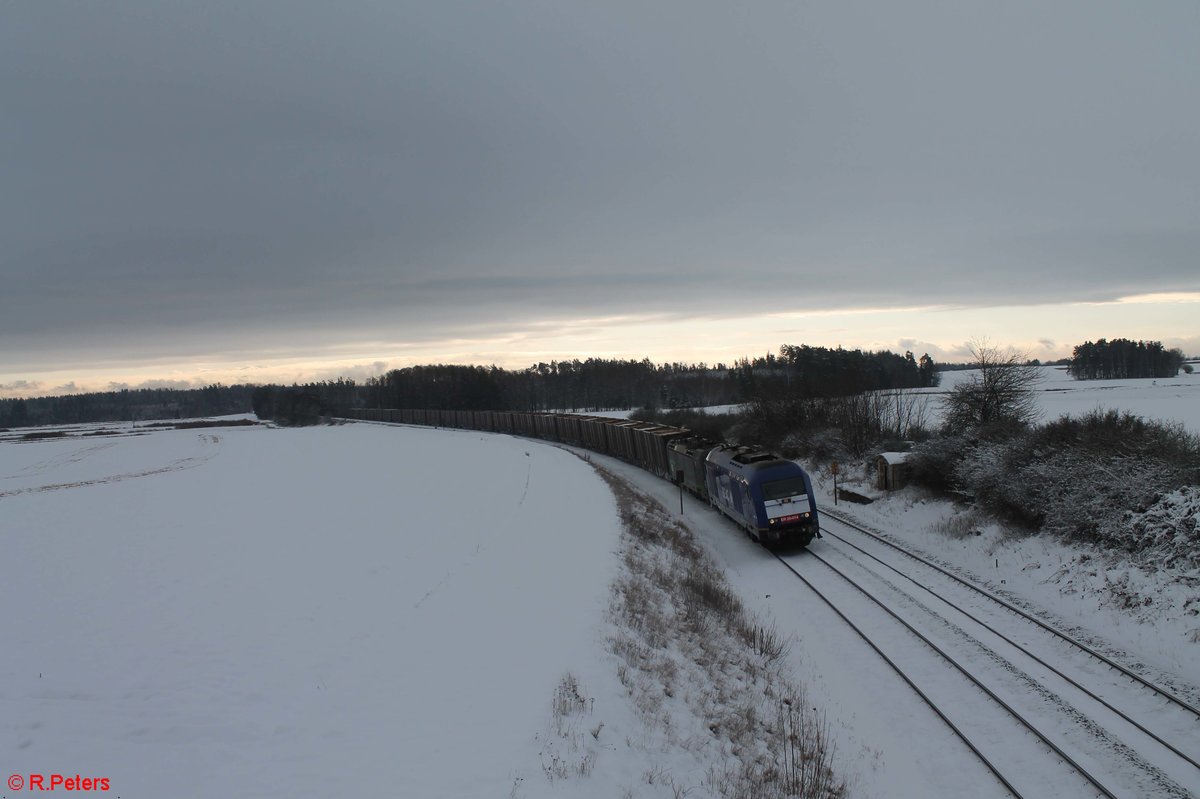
pixel 18 386
pixel 1189 345
pixel 228 176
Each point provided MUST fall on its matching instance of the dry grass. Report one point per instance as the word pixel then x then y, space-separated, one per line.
pixel 961 525
pixel 566 752
pixel 684 638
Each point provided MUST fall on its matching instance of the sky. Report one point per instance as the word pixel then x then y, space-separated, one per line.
pixel 279 191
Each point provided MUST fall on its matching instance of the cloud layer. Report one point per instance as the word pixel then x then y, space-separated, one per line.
pixel 223 176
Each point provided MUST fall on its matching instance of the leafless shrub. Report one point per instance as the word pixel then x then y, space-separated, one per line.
pixel 567 698
pixel 656 775
pixel 904 412
pixel 632 651
pixel 556 768
pixel 860 418
pixel 565 752
pixel 805 759
pixel 1000 395
pixel 765 642
pixel 960 525
pixel 679 791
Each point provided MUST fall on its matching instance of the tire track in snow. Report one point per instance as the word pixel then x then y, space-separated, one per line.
pixel 179 465
pixel 481 546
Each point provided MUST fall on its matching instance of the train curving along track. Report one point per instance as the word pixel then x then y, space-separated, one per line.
pixel 1015 690
pixel 1046 713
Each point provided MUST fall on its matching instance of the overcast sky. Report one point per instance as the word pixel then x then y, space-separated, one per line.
pixel 197 191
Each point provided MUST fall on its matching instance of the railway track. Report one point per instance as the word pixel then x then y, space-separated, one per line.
pixel 1045 712
pixel 1163 692
pixel 1015 690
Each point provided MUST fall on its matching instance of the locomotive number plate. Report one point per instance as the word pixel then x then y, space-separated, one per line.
pixel 795 517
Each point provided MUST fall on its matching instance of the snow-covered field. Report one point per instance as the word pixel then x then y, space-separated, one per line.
pixel 1175 399
pixel 367 610
pixel 333 611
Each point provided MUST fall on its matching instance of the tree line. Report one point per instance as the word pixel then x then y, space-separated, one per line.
pixel 126 405
pixel 805 371
pixel 569 385
pixel 1122 359
pixel 575 385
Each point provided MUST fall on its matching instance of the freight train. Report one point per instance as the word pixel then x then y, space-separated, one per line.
pixel 770 497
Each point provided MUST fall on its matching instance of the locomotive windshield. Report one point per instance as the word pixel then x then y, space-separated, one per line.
pixel 782 489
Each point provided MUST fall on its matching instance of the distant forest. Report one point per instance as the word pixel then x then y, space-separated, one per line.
pixel 1121 359
pixel 797 371
pixel 126 406
pixel 593 384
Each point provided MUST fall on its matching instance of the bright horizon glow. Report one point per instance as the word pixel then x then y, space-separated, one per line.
pixel 1046 332
pixel 1155 299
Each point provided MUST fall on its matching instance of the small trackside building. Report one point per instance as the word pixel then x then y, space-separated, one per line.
pixel 891 471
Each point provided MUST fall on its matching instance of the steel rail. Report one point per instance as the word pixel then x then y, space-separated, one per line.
pixel 896 668
pixel 1021 648
pixel 1164 693
pixel 994 697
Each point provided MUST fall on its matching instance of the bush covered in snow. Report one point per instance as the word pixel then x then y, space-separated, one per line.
pixel 1168 531
pixel 1093 478
pixel 933 463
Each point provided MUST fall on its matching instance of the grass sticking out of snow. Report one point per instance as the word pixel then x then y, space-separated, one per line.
pixel 567 752
pixel 704 675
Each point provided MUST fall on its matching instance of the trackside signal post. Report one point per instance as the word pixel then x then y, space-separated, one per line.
pixel 679 479
pixel 833 468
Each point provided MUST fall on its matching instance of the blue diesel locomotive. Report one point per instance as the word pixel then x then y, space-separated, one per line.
pixel 772 498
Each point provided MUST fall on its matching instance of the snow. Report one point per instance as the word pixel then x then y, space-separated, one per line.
pixel 889 744
pixel 337 611
pixel 366 610
pixel 1174 399
pixel 1102 598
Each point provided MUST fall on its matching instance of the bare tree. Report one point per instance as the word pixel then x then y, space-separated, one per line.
pixel 905 411
pixel 1000 395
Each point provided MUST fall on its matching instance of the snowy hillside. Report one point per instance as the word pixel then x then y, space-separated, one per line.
pixel 350 611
